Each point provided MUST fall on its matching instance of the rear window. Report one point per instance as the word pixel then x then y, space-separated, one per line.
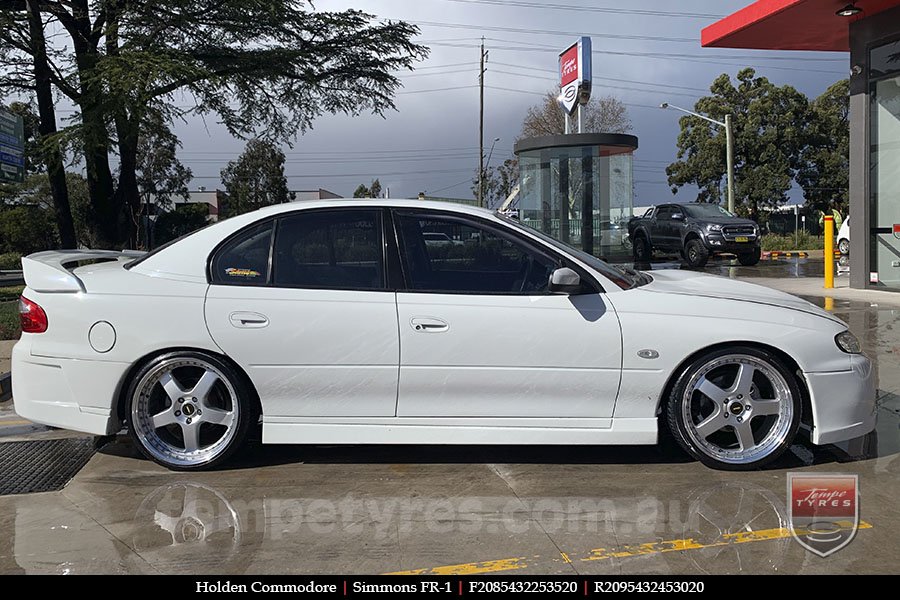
pixel 244 259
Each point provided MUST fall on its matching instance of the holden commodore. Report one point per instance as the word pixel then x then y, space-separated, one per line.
pixel 338 322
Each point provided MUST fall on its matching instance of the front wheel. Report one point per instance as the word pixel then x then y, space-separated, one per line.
pixel 749 259
pixel 735 408
pixel 640 248
pixel 844 246
pixel 695 254
pixel 189 410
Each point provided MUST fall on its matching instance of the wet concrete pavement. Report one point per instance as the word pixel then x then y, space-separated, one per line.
pixel 466 510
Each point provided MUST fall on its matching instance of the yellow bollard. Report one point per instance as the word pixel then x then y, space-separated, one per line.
pixel 829 252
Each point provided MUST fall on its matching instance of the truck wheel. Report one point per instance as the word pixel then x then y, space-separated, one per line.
pixel 641 249
pixel 748 259
pixel 695 254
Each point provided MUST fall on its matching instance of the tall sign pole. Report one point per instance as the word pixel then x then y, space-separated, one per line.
pixel 575 80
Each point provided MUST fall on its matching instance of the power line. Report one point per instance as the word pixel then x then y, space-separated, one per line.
pixel 568 34
pixel 606 85
pixel 595 9
pixel 379 174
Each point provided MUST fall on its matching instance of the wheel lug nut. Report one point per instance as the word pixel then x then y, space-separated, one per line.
pixel 740 396
pixel 726 415
pixel 739 419
pixel 747 407
pixel 177 413
pixel 193 399
pixel 199 412
pixel 180 400
pixel 189 421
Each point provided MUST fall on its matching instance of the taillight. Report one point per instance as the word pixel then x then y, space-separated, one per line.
pixel 32 316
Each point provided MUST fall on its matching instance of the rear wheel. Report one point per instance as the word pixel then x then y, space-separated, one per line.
pixel 735 408
pixel 748 259
pixel 695 253
pixel 844 246
pixel 641 249
pixel 189 410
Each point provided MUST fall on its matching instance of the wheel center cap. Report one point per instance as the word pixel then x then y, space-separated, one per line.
pixel 188 409
pixel 736 408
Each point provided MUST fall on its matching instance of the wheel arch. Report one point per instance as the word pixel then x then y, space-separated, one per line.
pixel 806 406
pixel 122 389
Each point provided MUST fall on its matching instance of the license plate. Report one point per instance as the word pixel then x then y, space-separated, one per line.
pixel 742 238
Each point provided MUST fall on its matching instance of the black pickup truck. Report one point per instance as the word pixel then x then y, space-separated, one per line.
pixel 696 231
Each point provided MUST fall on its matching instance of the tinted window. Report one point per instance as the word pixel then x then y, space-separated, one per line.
pixel 664 212
pixel 244 259
pixel 454 255
pixel 339 249
pixel 884 60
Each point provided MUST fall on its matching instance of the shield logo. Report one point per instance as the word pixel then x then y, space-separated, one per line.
pixel 823 510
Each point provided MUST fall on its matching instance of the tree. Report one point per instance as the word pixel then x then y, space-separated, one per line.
pixel 181 220
pixel 768 128
pixel 825 161
pixel 256 179
pixel 261 67
pixel 371 191
pixel 160 175
pixel 604 114
pixel 498 182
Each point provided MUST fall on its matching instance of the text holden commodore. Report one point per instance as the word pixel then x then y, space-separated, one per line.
pixel 342 322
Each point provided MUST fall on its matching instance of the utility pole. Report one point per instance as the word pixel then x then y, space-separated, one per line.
pixel 483 58
pixel 729 158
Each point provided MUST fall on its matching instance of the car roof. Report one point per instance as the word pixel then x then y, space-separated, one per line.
pixel 372 203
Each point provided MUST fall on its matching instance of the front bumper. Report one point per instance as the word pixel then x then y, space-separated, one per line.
pixel 716 242
pixel 66 393
pixel 843 402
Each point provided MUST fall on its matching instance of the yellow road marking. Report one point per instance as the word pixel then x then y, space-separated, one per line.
pixel 14 422
pixel 628 551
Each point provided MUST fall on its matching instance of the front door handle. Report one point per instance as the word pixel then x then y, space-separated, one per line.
pixel 248 320
pixel 429 324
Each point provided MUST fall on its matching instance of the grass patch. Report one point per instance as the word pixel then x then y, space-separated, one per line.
pixel 11 293
pixel 9 321
pixel 801 241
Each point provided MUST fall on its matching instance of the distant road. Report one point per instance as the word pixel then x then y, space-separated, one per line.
pixel 11 278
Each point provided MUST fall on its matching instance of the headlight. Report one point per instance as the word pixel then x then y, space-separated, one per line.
pixel 713 227
pixel 847 342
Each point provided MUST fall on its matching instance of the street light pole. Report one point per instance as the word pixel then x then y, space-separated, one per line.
pixel 484 168
pixel 729 146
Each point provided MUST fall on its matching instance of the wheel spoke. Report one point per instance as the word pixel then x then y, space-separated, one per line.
pixel 191 436
pixel 743 380
pixel 744 434
pixel 711 390
pixel 163 418
pixel 204 385
pixel 217 416
pixel 171 386
pixel 711 424
pixel 766 407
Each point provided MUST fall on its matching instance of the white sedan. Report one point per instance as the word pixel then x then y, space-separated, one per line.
pixel 338 323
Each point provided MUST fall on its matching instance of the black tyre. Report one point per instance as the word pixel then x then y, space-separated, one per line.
pixel 748 259
pixel 695 254
pixel 189 411
pixel 735 408
pixel 640 248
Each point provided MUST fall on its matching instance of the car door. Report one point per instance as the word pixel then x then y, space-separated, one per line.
pixel 662 230
pixel 300 302
pixel 481 336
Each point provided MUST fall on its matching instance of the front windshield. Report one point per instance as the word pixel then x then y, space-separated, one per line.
pixel 625 280
pixel 705 211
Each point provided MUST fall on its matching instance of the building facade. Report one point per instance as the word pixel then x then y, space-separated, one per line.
pixel 870 31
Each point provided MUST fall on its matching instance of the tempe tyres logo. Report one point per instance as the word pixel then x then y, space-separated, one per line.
pixel 824 510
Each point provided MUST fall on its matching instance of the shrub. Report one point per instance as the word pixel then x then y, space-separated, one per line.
pixel 802 240
pixel 9 321
pixel 10 261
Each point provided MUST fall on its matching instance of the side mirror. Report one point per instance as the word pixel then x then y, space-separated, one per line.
pixel 677 217
pixel 564 281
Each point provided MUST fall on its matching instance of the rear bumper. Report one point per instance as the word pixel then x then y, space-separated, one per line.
pixel 843 403
pixel 66 393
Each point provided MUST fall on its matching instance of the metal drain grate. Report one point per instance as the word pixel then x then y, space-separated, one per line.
pixel 42 465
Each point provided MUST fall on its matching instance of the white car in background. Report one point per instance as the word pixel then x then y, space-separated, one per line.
pixel 843 237
pixel 336 322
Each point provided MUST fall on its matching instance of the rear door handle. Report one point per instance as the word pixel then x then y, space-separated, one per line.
pixel 248 320
pixel 429 324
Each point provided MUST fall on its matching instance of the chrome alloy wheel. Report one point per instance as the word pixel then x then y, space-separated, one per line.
pixel 737 409
pixel 185 411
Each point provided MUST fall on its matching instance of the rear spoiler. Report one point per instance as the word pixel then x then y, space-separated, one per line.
pixel 48 271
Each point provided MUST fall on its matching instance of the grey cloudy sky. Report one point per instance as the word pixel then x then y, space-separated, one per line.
pixel 431 142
